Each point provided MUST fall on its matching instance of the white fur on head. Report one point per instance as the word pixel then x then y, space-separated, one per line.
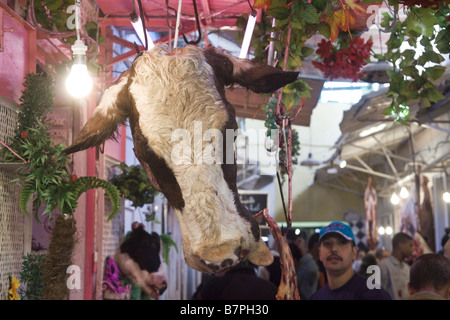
pixel 174 92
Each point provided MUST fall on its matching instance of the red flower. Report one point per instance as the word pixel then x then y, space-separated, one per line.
pixel 24 134
pixel 73 177
pixel 343 62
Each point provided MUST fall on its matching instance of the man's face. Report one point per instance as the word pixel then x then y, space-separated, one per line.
pixel 407 248
pixel 336 253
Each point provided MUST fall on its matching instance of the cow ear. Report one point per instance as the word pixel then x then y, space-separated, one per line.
pixel 103 123
pixel 258 77
pixel 261 256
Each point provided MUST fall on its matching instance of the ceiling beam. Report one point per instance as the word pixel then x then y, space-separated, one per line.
pixel 206 11
pixel 370 171
pixel 387 154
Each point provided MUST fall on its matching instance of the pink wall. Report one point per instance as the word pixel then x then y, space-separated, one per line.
pixel 17 52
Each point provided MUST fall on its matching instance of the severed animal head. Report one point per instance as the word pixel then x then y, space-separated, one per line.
pixel 138 258
pixel 180 121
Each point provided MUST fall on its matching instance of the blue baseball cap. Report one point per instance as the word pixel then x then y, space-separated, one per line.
pixel 340 228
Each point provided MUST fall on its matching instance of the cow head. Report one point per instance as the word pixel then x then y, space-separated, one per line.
pixel 170 99
pixel 138 258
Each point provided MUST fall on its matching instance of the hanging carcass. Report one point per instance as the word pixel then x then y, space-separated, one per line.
pixel 183 131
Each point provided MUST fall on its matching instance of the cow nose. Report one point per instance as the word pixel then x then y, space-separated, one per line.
pixel 227 263
pixel 163 288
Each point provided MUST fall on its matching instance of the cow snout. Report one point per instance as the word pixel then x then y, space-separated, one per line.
pixel 219 267
pixel 224 263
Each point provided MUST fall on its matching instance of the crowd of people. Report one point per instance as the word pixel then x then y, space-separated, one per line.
pixel 329 266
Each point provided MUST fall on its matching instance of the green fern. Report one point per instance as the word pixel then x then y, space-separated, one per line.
pixel 167 243
pixel 25 194
pixel 83 184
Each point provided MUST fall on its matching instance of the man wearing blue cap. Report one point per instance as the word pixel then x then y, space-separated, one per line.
pixel 337 251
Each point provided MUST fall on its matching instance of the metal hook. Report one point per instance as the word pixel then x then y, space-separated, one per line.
pixel 198 27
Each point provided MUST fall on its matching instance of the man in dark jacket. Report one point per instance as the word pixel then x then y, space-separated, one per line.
pixel 337 251
pixel 239 283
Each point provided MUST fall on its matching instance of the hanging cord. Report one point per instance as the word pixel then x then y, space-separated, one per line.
pixel 286 122
pixel 141 13
pixel 177 26
pixel 142 17
pixel 13 152
pixel 77 18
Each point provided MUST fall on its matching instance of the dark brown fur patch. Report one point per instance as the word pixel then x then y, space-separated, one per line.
pixel 159 170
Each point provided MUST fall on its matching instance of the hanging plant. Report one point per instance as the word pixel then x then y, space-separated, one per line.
pixel 133 184
pixel 53 16
pixel 45 177
pixel 295 151
pixel 423 3
pixel 343 60
pixel 416 70
pixel 426 25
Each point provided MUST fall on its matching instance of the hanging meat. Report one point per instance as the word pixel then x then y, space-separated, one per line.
pixel 370 205
pixel 288 288
pixel 426 218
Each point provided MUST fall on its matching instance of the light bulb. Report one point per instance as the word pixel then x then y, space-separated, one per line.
pixel 78 83
pixel 381 230
pixel 395 199
pixel 404 193
pixel 389 230
pixel 343 164
pixel 446 196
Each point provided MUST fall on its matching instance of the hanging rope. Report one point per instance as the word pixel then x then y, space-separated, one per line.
pixel 142 17
pixel 286 123
pixel 141 13
pixel 177 26
pixel 5 145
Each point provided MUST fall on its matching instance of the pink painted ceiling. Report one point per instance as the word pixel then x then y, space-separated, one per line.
pixel 213 13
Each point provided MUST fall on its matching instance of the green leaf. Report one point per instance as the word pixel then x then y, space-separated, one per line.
pixel 430 56
pixel 421 21
pixel 410 71
pixel 167 242
pixel 442 40
pixel 432 94
pixel 324 30
pixel 290 100
pixel 279 13
pixel 306 51
pixel 309 13
pixel 25 194
pixel 435 72
pixel 319 4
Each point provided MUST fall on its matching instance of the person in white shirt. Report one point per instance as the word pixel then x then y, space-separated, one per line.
pixel 394 270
